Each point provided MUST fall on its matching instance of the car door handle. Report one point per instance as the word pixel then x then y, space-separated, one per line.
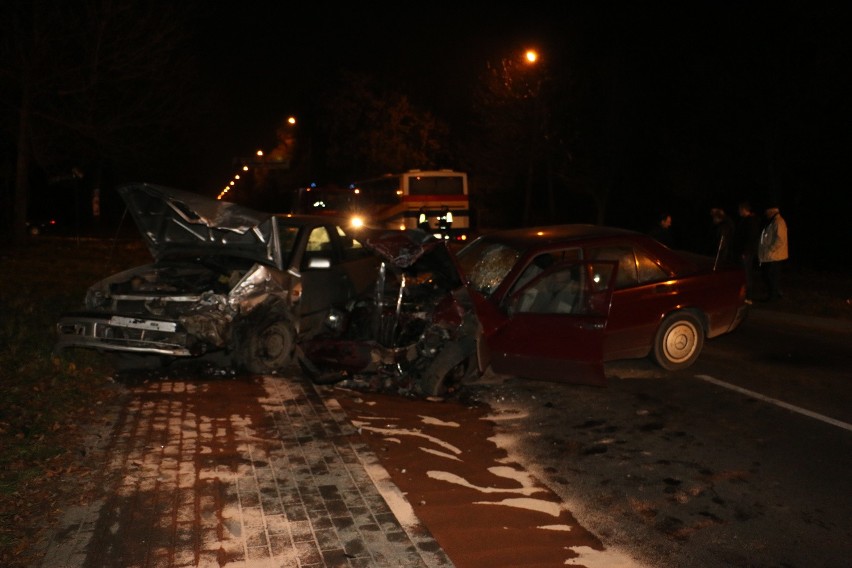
pixel 665 288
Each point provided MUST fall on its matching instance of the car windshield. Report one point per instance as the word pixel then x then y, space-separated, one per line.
pixel 485 264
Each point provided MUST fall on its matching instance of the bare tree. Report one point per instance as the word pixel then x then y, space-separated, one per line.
pixel 88 82
pixel 369 131
pixel 516 140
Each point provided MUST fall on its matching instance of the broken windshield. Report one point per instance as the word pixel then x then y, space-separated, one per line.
pixel 486 264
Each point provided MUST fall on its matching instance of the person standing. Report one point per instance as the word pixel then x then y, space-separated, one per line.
pixel 662 229
pixel 746 242
pixel 723 234
pixel 772 251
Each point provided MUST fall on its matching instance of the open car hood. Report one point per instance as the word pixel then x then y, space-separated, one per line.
pixel 176 223
pixel 415 252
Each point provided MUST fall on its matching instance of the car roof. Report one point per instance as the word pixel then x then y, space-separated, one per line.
pixel 301 220
pixel 532 239
pixel 528 237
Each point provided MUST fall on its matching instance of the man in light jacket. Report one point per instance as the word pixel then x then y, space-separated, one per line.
pixel 773 251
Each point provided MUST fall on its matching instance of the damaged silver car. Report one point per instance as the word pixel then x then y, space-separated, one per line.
pixel 225 279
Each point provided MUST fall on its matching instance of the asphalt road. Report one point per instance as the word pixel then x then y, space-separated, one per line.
pixel 743 460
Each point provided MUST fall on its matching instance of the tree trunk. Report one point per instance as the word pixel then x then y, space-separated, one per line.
pixel 20 199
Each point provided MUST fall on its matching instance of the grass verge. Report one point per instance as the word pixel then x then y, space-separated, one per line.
pixel 46 401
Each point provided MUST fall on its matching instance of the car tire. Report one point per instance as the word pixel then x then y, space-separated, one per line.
pixel 268 347
pixel 678 341
pixel 449 370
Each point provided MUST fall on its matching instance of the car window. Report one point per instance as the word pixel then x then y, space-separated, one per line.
pixel 319 240
pixel 541 262
pixel 556 292
pixel 575 288
pixel 649 271
pixel 627 274
pixel 352 247
pixel 319 246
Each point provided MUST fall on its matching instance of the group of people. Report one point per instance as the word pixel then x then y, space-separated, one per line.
pixel 758 245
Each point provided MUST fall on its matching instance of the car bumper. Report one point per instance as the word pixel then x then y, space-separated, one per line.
pixel 106 332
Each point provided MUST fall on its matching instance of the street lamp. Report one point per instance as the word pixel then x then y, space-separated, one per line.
pixel 533 95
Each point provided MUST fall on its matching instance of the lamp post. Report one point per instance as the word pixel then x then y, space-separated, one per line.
pixel 533 88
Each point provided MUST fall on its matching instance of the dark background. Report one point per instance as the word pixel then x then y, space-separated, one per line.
pixel 685 106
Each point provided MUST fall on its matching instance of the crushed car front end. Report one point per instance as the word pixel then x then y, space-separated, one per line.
pixel 415 332
pixel 174 309
pixel 212 263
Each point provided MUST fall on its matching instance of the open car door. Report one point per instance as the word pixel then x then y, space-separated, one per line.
pixel 553 328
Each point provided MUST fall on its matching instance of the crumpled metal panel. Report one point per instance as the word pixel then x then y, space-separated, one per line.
pixel 210 320
pixel 175 222
pixel 402 248
pixel 419 308
pixel 258 285
pixel 192 207
pixel 449 312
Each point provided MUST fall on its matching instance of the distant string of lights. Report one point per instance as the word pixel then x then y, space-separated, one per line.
pixel 236 178
pixel 259 157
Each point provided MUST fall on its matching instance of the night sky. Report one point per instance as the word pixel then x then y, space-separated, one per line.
pixel 720 73
pixel 268 60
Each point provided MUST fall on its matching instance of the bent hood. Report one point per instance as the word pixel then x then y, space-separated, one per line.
pixel 416 252
pixel 176 223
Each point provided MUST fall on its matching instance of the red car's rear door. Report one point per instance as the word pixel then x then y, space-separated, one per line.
pixel 553 328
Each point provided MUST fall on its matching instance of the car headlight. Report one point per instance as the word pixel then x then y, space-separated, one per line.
pixel 95 298
pixel 335 319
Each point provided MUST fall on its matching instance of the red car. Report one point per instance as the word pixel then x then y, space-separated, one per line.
pixel 556 302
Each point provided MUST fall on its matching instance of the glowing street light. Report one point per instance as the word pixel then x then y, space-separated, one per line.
pixel 533 81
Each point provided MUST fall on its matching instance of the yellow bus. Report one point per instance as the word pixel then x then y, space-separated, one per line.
pixel 435 201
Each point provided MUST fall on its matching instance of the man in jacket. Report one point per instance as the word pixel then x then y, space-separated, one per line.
pixel 723 235
pixel 746 243
pixel 773 251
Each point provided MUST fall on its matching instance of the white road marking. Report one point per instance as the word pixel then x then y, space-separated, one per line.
pixel 404 432
pixel 441 454
pixel 776 402
pixel 547 507
pixel 437 422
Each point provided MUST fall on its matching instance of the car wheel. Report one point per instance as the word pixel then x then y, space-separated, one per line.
pixel 449 370
pixel 679 341
pixel 268 347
